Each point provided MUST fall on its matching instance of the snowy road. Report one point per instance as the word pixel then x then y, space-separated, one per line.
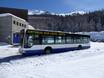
pixel 87 63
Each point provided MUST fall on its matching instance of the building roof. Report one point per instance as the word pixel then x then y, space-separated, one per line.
pixel 9 14
pixel 30 27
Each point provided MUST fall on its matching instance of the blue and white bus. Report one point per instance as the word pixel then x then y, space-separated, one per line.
pixel 45 42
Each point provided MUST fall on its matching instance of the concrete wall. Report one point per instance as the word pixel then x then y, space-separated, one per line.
pixel 22 24
pixel 5 29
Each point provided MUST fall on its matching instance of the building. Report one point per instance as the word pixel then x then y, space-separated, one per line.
pixel 10 27
pixel 22 13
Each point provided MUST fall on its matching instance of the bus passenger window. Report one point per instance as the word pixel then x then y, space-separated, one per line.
pixel 58 40
pixel 86 40
pixel 78 40
pixel 48 40
pixel 74 39
pixel 63 40
pixel 36 39
pixel 83 40
pixel 69 39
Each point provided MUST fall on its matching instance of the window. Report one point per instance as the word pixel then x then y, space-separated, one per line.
pixel 20 24
pixel 14 22
pixel 25 26
pixel 32 40
pixel 48 40
pixel 36 39
pixel 72 41
pixel 17 23
pixel 86 40
pixel 78 39
pixel 69 39
pixel 59 40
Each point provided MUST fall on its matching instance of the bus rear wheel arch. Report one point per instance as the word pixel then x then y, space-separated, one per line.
pixel 48 50
pixel 79 47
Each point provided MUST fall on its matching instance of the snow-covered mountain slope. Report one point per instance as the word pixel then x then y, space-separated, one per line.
pixel 72 13
pixel 39 12
pixel 87 63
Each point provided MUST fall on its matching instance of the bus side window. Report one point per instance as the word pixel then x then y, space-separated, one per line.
pixel 63 40
pixel 78 39
pixel 36 39
pixel 73 39
pixel 58 39
pixel 82 40
pixel 69 39
pixel 48 40
pixel 86 40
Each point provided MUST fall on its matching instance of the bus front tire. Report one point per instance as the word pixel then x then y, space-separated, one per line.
pixel 79 47
pixel 48 50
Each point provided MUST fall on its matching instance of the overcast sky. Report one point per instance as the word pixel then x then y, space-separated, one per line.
pixel 57 6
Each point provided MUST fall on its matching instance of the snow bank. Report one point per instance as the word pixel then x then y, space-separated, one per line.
pixel 97 36
pixel 7 50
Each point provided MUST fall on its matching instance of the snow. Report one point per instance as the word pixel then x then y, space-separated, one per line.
pixel 72 13
pixel 86 63
pixel 39 12
pixel 31 12
pixel 30 27
pixel 97 36
pixel 94 36
pixel 7 50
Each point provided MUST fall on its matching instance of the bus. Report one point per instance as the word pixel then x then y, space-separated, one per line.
pixel 46 42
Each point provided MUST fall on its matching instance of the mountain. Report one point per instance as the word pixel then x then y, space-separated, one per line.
pixel 41 12
pixel 91 21
pixel 72 13
pixel 38 12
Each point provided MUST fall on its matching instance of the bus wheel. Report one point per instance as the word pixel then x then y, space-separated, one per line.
pixel 48 50
pixel 80 47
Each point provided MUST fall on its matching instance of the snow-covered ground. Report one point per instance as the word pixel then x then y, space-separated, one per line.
pixel 87 63
pixel 97 36
pixel 7 50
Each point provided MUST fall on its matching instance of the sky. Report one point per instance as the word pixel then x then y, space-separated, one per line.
pixel 56 6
